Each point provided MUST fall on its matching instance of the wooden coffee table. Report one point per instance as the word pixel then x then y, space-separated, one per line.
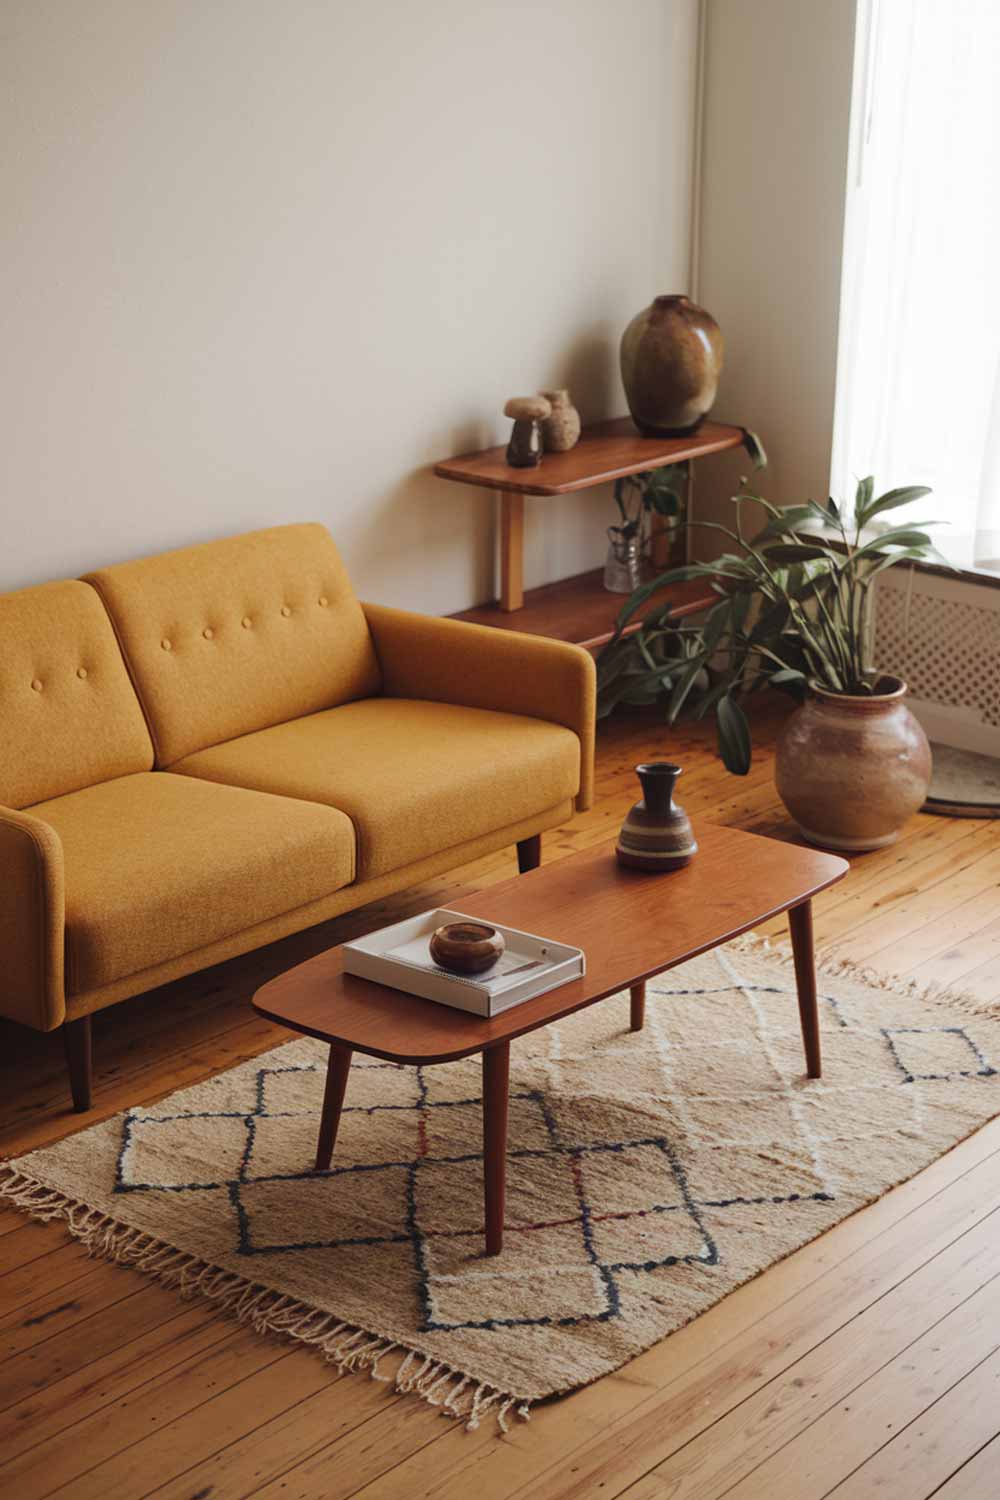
pixel 630 926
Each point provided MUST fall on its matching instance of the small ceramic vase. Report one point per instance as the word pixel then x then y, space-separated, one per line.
pixel 560 430
pixel 657 834
pixel 524 450
pixel 467 947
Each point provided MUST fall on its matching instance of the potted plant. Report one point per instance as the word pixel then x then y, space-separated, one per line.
pixel 794 612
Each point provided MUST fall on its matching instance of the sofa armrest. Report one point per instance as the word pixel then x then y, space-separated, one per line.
pixel 451 661
pixel 32 921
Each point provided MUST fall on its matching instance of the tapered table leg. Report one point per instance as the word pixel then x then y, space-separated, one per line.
pixel 337 1070
pixel 638 997
pixel 800 922
pixel 496 1084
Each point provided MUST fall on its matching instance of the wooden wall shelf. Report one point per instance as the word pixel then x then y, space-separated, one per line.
pixel 581 609
pixel 606 451
pixel 576 609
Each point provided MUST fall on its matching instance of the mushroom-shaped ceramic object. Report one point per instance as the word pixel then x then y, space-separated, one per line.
pixel 524 450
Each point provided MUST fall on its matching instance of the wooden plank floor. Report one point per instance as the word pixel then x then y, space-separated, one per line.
pixel 868 1363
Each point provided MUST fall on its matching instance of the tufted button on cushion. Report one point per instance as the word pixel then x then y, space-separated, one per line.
pixel 285 611
pixel 246 622
pixel 208 633
pixel 81 672
pixel 167 646
pixel 45 634
pixel 288 666
pixel 323 601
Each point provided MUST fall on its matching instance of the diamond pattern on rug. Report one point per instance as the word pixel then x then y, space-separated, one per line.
pixel 648 1174
pixel 404 1146
pixel 936 1052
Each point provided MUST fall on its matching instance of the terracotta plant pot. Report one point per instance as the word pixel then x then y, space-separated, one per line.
pixel 671 359
pixel 851 771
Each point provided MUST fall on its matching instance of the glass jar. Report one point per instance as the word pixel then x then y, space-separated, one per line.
pixel 623 565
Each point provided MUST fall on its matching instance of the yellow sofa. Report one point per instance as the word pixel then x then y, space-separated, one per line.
pixel 203 751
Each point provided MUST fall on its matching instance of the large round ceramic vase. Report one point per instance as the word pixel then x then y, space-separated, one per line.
pixel 657 834
pixel 671 359
pixel 852 770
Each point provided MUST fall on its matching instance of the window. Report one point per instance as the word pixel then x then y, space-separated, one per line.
pixel 918 379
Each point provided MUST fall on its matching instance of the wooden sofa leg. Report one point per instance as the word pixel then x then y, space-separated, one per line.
pixel 76 1038
pixel 529 853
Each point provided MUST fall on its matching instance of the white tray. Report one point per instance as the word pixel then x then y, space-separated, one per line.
pixel 399 956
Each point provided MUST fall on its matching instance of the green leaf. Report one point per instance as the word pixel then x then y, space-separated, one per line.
pixel 715 624
pixel 733 735
pixel 793 552
pixel 771 622
pixel 667 477
pixel 663 502
pixel 755 449
pixel 893 498
pixel 932 555
pixel 642 644
pixel 683 686
pixel 908 554
pixel 732 562
pixel 863 499
pixel 795 579
pixel 793 518
pixel 794 684
pixel 900 536
pixel 738 615
pixel 821 513
pixel 709 699
pixel 635 686
pixel 772 510
pixel 611 664
pixel 675 575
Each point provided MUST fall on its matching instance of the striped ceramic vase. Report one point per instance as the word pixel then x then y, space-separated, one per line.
pixel 656 835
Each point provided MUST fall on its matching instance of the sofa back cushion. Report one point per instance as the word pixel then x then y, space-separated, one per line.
pixel 233 636
pixel 68 715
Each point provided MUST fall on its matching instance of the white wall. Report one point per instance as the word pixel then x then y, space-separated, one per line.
pixel 776 127
pixel 266 260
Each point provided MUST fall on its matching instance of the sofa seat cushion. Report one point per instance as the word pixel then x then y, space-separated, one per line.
pixel 158 865
pixel 414 777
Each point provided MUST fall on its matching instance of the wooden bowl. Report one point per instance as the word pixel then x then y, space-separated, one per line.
pixel 466 947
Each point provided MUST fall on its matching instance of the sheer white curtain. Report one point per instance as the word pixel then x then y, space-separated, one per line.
pixel 918 378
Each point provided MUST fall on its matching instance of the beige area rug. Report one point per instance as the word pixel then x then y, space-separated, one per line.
pixel 649 1175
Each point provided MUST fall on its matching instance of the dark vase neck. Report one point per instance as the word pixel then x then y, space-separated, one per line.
pixel 658 780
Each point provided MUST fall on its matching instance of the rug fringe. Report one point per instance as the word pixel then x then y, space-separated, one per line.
pixel 350 1349
pixel 932 993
